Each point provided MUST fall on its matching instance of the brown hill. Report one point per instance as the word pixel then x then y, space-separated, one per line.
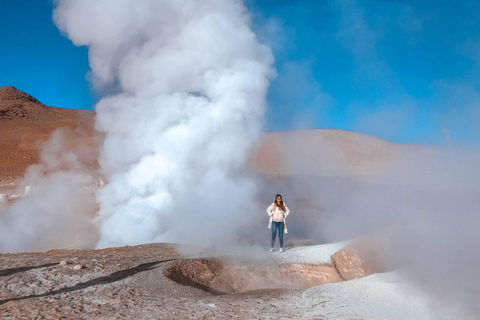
pixel 25 124
pixel 324 152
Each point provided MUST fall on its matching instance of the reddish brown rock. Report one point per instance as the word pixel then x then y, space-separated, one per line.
pixel 364 256
pixel 350 265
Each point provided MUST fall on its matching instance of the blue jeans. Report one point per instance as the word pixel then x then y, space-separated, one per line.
pixel 280 226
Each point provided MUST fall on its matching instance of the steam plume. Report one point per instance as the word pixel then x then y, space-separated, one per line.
pixel 57 208
pixel 423 212
pixel 191 80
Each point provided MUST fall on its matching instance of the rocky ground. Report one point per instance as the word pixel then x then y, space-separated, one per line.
pixel 122 283
pixel 162 281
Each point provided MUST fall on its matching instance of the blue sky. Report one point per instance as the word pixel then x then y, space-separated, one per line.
pixel 37 59
pixel 406 71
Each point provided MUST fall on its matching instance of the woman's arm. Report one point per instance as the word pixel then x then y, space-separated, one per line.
pixel 270 210
pixel 287 211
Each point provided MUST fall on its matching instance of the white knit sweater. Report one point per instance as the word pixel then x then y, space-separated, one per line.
pixel 276 214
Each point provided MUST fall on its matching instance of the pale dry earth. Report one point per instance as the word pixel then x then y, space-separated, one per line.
pixel 136 283
pixel 166 281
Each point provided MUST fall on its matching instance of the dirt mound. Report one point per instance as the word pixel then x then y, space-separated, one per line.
pixel 219 277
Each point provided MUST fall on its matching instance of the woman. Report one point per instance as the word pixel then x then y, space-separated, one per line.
pixel 277 212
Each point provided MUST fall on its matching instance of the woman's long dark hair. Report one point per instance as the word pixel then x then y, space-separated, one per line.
pixel 282 206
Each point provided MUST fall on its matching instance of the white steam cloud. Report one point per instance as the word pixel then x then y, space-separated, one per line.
pixel 191 81
pixel 56 207
pixel 422 209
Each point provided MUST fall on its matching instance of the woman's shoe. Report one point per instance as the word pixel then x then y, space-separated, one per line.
pixel 271 250
pixel 281 249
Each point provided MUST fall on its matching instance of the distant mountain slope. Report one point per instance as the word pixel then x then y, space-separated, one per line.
pixel 322 152
pixel 327 152
pixel 25 124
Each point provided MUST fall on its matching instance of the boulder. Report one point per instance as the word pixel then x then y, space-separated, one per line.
pixel 77 267
pixel 350 265
pixel 362 257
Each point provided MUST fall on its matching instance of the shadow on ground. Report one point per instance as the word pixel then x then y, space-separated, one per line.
pixel 114 277
pixel 9 272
